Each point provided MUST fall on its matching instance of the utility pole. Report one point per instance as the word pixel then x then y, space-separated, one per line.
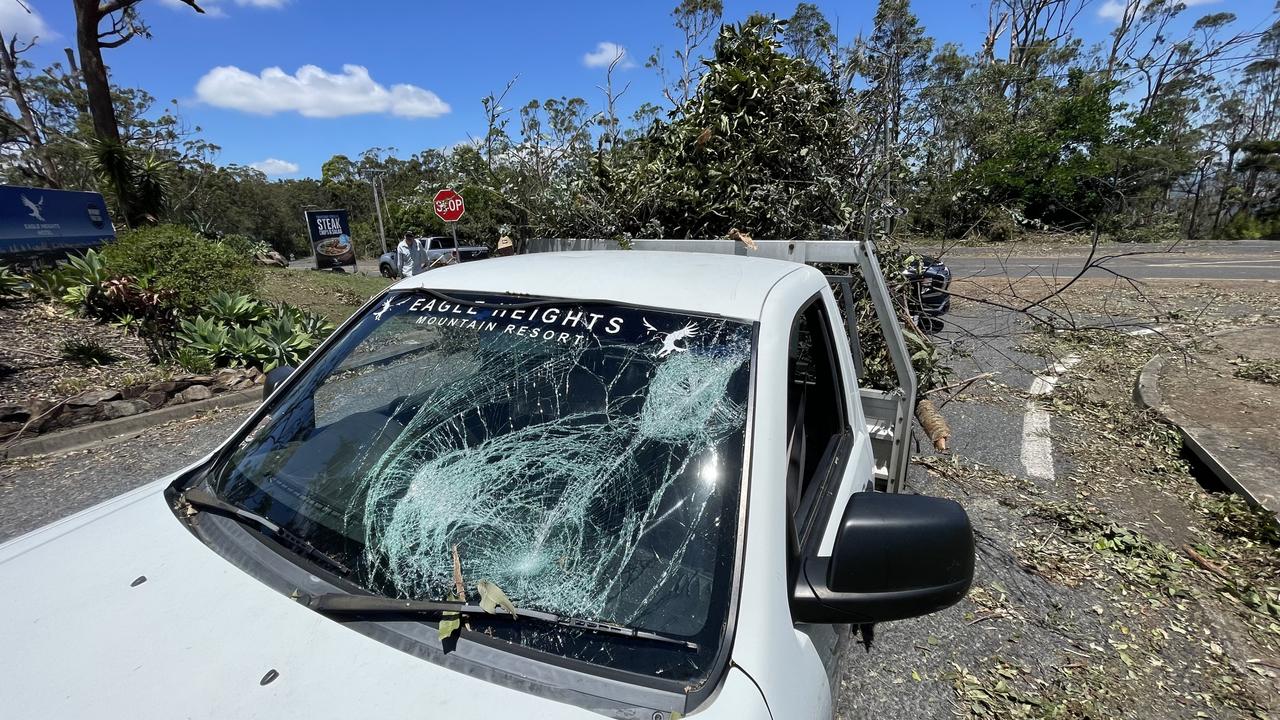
pixel 373 176
pixel 382 188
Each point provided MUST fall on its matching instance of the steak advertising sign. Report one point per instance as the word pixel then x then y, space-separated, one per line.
pixel 331 242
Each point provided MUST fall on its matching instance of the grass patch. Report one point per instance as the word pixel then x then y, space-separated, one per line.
pixel 87 353
pixel 334 295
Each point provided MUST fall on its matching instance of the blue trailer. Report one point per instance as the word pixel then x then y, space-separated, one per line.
pixel 37 223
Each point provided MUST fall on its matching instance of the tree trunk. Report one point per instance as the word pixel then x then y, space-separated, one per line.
pixel 72 82
pixel 94 71
pixel 1226 186
pixel 1195 207
pixel 26 119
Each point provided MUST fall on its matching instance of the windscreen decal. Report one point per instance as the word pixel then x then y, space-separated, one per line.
pixel 555 510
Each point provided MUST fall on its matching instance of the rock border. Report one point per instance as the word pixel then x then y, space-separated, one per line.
pixel 100 433
pixel 1146 393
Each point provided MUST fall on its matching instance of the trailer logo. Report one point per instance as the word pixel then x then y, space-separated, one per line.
pixel 670 339
pixel 34 207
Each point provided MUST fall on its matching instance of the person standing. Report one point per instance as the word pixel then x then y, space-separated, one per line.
pixel 420 246
pixel 408 256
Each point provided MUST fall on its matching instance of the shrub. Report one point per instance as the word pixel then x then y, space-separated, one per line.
pixel 86 353
pixel 271 336
pixel 999 226
pixel 178 259
pixel 245 245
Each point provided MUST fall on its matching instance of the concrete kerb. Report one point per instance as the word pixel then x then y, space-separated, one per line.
pixel 99 433
pixel 1146 393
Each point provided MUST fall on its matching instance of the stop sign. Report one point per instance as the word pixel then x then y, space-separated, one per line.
pixel 449 205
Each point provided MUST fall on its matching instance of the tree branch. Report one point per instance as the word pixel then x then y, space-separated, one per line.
pixel 118 41
pixel 116 5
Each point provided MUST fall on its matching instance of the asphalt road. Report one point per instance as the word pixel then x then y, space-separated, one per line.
pixel 1244 260
pixel 37 491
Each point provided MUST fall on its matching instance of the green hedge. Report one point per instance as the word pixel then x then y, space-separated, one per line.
pixel 179 259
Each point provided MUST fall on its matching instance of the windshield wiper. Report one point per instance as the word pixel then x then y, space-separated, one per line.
pixel 344 604
pixel 201 499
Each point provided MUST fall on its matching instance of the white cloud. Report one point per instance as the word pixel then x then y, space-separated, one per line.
pixel 275 167
pixel 312 92
pixel 605 53
pixel 15 20
pixel 1113 10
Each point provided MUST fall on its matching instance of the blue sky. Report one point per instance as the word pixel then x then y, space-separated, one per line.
pixel 410 75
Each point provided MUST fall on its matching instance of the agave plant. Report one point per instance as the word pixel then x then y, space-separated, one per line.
pixel 315 325
pixel 244 347
pixel 283 342
pixel 235 310
pixel 204 335
pixel 90 269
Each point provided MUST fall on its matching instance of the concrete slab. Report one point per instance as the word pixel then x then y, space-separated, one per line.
pixel 1230 424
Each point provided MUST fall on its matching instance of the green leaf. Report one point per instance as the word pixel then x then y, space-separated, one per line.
pixel 491 597
pixel 450 624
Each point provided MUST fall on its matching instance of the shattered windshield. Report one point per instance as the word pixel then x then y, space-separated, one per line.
pixel 584 457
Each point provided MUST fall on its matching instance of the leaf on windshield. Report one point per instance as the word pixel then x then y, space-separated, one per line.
pixel 450 623
pixel 449 626
pixel 491 596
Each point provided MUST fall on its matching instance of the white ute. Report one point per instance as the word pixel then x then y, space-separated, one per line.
pixel 653 475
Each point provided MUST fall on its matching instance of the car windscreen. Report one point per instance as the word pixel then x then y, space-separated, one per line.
pixel 585 457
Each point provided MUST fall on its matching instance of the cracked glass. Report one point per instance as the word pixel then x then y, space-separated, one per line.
pixel 585 457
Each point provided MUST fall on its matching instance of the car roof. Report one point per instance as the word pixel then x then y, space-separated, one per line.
pixel 725 285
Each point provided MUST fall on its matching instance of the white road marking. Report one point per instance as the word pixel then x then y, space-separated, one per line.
pixel 1037 447
pixel 1269 262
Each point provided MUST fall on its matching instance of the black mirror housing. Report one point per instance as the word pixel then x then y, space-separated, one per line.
pixel 274 378
pixel 895 557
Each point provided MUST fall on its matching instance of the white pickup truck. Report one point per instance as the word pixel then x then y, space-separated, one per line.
pixel 631 484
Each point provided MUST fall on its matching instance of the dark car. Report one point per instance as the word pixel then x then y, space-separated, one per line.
pixel 928 280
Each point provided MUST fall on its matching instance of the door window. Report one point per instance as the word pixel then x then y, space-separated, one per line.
pixel 816 416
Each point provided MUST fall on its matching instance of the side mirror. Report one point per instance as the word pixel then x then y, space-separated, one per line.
pixel 274 378
pixel 895 557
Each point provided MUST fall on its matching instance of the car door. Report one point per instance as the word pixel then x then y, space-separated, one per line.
pixel 825 462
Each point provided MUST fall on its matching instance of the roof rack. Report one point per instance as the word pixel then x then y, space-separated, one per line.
pixel 889 413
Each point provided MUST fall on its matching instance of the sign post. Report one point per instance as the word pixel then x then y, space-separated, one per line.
pixel 449 207
pixel 330 233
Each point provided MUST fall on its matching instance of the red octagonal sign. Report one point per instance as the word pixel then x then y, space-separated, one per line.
pixel 449 205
